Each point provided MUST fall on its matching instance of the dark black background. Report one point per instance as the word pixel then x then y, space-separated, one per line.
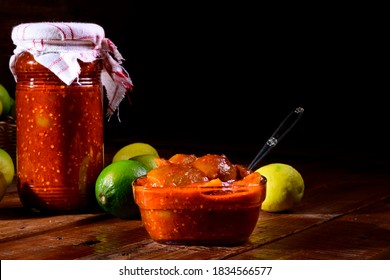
pixel 223 74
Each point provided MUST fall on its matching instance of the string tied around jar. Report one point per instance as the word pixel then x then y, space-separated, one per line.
pixel 60 45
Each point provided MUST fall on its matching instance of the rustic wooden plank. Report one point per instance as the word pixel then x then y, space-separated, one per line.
pixel 362 234
pixel 268 229
pixel 28 226
pixel 75 240
pixel 329 196
pixel 343 193
pixel 17 222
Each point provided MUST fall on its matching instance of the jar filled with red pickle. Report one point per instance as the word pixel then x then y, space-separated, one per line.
pixel 61 71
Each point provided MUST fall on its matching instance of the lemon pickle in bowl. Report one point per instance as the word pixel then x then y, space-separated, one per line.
pixel 205 200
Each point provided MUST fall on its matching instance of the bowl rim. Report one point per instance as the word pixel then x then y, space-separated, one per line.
pixel 199 197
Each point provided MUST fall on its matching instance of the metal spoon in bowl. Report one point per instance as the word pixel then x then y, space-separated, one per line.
pixel 285 126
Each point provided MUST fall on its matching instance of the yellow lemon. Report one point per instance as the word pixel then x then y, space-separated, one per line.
pixel 133 150
pixel 147 159
pixel 285 187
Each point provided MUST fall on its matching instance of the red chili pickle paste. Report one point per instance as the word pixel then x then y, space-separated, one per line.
pixel 60 148
pixel 200 200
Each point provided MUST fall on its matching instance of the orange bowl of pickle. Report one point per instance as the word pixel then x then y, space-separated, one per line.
pixel 207 200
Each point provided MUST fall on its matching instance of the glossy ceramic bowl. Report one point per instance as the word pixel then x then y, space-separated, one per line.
pixel 200 215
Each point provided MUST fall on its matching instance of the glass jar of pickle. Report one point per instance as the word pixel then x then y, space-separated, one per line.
pixel 59 113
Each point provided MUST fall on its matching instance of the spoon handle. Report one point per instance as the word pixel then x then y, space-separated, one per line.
pixel 285 126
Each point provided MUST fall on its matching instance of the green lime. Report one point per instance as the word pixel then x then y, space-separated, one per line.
pixel 285 187
pixel 147 159
pixel 134 149
pixel 6 100
pixel 12 110
pixel 113 188
pixel 7 166
pixel 7 171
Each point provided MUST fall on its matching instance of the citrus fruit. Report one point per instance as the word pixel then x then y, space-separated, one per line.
pixel 285 187
pixel 147 159
pixel 7 166
pixel 7 171
pixel 12 109
pixel 3 185
pixel 6 100
pixel 114 190
pixel 134 149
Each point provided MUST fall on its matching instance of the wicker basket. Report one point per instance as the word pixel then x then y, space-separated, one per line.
pixel 8 135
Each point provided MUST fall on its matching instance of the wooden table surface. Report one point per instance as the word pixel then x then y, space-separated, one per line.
pixel 344 214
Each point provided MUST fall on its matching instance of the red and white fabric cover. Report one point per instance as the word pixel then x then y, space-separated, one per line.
pixel 59 45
